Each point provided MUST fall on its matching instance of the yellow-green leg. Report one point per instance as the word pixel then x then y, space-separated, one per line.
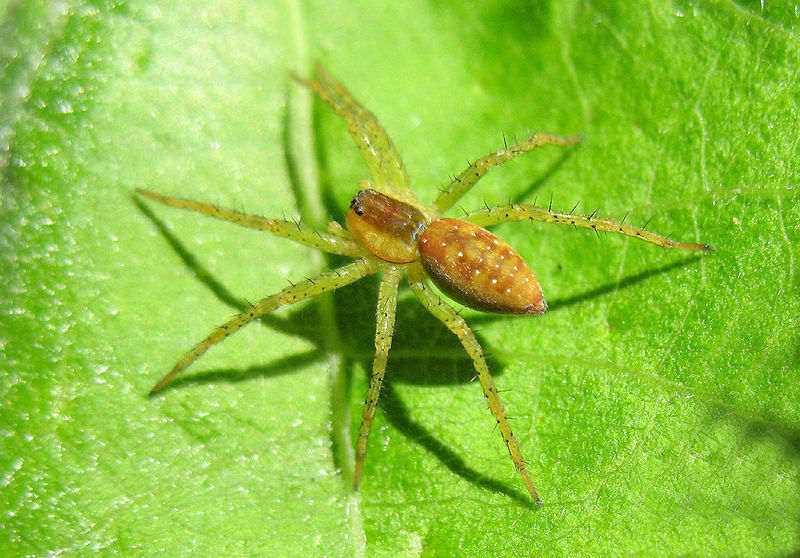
pixel 325 241
pixel 467 179
pixel 328 281
pixel 517 212
pixel 384 330
pixel 381 156
pixel 455 323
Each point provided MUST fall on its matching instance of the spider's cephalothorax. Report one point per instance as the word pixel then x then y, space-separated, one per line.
pixel 387 227
pixel 389 231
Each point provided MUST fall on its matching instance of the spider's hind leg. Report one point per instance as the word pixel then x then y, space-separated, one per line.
pixel 518 212
pixel 455 323
pixel 467 179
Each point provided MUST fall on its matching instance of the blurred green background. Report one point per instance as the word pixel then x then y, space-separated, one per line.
pixel 656 402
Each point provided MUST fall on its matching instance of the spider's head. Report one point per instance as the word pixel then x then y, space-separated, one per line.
pixel 387 227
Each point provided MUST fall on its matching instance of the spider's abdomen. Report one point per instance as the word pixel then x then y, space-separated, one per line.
pixel 389 228
pixel 477 269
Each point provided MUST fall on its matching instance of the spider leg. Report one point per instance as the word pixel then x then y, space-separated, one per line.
pixel 328 281
pixel 381 156
pixel 517 212
pixel 455 323
pixel 467 179
pixel 293 230
pixel 384 330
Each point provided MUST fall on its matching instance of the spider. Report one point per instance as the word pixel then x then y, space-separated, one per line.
pixel 390 232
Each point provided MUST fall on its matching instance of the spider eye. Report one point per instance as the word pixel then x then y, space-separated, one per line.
pixel 355 205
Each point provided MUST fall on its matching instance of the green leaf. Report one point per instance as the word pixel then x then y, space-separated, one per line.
pixel 656 401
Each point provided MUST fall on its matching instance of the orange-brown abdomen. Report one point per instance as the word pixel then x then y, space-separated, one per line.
pixel 477 269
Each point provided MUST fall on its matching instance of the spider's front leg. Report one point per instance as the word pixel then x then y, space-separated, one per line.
pixel 379 152
pixel 325 282
pixel 384 331
pixel 331 242
pixel 455 323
